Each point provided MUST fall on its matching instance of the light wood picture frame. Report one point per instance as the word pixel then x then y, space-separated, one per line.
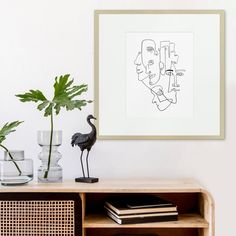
pixel 159 74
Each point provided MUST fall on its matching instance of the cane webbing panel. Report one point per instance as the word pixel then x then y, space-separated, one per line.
pixel 35 217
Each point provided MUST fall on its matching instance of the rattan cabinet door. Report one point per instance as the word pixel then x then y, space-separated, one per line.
pixel 24 214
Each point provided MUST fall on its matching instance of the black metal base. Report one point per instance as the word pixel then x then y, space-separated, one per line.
pixel 86 180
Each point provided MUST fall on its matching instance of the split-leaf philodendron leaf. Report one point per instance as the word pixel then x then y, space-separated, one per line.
pixel 7 129
pixel 64 96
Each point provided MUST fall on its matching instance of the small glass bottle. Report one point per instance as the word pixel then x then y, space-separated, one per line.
pixel 15 169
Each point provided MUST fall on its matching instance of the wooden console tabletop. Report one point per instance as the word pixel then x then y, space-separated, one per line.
pixel 111 185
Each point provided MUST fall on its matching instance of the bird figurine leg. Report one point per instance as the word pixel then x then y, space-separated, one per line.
pixel 87 163
pixel 81 161
pixel 86 179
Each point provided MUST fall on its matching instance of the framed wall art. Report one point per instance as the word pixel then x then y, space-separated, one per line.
pixel 159 74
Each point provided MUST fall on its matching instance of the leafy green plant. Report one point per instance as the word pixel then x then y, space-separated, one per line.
pixel 4 131
pixel 65 94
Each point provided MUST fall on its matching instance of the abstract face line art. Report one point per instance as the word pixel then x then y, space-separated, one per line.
pixel 156 69
pixel 150 60
pixel 140 69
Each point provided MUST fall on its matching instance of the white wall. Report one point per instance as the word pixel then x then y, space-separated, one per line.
pixel 42 39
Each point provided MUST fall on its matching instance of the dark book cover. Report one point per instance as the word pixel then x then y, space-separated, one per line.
pixel 147 201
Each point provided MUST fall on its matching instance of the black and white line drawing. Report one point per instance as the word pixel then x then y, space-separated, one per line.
pixel 156 69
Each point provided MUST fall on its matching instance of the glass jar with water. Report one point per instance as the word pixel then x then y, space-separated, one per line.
pixel 15 169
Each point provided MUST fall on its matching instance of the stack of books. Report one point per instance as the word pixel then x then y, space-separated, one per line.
pixel 135 235
pixel 140 209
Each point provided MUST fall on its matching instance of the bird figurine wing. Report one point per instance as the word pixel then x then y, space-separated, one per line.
pixel 79 138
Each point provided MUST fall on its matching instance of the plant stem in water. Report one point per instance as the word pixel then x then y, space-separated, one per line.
pixel 17 167
pixel 50 148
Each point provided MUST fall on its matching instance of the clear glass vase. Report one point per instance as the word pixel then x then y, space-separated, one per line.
pixel 15 169
pixel 49 172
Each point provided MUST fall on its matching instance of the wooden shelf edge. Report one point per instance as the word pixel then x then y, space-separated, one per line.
pixel 184 221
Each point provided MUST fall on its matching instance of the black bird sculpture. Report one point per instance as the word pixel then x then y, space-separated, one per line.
pixel 85 141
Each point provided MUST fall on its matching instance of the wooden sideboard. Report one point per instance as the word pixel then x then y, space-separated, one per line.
pixel 195 205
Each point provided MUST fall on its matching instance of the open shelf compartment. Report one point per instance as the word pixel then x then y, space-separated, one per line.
pixel 192 221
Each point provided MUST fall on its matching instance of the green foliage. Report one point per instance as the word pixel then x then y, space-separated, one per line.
pixel 32 96
pixel 7 129
pixel 64 96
